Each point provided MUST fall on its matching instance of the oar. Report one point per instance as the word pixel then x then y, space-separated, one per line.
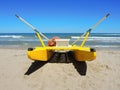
pixel 90 29
pixel 33 28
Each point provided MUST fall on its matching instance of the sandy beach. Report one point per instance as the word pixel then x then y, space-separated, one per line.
pixel 101 74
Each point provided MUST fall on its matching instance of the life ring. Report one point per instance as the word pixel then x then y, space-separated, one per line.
pixel 52 41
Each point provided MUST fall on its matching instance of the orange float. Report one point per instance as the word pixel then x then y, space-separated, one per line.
pixel 52 41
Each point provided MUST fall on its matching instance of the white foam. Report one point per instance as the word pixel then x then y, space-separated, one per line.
pixel 11 36
pixel 111 39
pixel 105 46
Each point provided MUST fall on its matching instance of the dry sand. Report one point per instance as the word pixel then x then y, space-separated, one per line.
pixel 102 73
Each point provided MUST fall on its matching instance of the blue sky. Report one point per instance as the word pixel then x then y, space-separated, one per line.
pixel 64 16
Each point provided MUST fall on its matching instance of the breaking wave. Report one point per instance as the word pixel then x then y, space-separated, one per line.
pixel 11 36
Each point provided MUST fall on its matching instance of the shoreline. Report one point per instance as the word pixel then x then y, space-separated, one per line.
pixel 26 47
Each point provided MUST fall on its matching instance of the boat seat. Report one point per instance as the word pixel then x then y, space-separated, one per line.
pixel 62 43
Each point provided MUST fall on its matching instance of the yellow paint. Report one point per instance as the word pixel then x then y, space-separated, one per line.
pixel 81 55
pixel 40 39
pixel 40 53
pixel 83 42
pixel 44 54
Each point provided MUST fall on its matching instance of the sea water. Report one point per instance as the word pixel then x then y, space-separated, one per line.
pixel 95 40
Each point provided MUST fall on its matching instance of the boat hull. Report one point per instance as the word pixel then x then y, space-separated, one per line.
pixel 83 55
pixel 40 54
pixel 44 54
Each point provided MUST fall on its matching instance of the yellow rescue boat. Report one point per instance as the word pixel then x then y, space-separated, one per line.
pixel 44 53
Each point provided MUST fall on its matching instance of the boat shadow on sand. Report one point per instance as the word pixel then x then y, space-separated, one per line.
pixel 81 67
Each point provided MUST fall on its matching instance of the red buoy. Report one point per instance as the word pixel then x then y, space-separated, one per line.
pixel 52 41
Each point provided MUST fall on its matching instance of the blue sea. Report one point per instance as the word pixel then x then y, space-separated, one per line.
pixel 96 40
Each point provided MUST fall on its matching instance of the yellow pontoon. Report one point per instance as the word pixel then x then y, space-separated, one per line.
pixel 44 53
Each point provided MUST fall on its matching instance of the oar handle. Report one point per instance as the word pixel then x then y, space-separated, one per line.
pixel 107 15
